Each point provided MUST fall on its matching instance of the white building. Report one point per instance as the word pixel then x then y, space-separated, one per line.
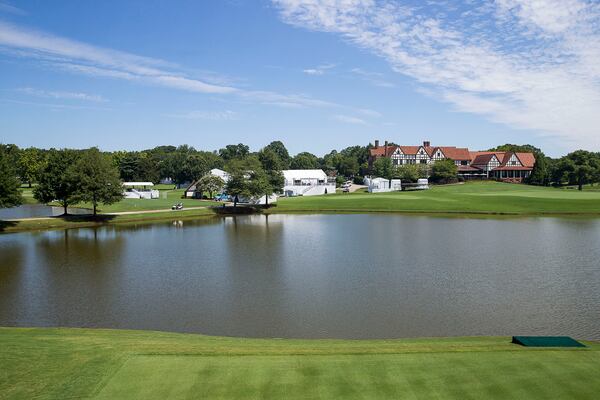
pixel 307 182
pixel 191 192
pixel 140 190
pixel 381 185
pixel 220 173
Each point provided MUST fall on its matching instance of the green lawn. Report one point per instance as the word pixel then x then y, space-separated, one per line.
pixel 476 197
pixel 166 200
pixel 27 194
pixel 75 221
pixel 107 364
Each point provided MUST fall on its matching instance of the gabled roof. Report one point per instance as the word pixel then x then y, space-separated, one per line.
pixel 381 151
pixel 527 159
pixel 455 153
pixel 291 174
pixel 412 150
pixel 484 157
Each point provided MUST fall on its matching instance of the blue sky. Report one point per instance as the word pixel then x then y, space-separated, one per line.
pixel 316 74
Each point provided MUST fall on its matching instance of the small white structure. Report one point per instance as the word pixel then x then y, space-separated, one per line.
pixel 140 190
pixel 191 192
pixel 381 185
pixel 307 182
pixel 422 184
pixel 259 200
pixel 220 173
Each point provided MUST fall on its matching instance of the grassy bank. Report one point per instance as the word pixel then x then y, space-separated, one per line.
pixel 76 221
pixel 168 197
pixel 107 364
pixel 475 198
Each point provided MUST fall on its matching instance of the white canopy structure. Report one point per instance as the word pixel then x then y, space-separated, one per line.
pixel 140 190
pixel 138 184
pixel 307 182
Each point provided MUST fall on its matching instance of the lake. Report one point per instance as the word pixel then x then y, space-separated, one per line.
pixel 311 276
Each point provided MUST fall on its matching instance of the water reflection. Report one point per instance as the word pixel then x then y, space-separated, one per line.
pixel 344 276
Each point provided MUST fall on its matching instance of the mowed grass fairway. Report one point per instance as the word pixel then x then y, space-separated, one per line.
pixel 473 197
pixel 106 364
pixel 167 199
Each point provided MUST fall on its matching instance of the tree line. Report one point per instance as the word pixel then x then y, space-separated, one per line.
pixel 71 173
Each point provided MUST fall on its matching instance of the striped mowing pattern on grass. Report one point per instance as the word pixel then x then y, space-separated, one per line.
pixel 44 363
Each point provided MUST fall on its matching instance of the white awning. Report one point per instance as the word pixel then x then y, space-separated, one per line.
pixel 138 184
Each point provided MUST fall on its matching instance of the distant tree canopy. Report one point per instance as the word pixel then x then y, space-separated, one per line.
pixel 183 164
pixel 305 160
pixel 349 162
pixel 517 148
pixel 577 168
pixel 233 151
pixel 10 194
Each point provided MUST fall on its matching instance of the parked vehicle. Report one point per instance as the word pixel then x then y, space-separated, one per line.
pixel 223 197
pixel 178 206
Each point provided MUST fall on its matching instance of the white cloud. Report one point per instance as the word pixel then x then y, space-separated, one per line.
pixel 207 115
pixel 53 105
pixel 349 119
pixel 62 95
pixel 82 58
pixel 532 64
pixel 320 70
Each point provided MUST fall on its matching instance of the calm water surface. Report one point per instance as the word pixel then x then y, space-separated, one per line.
pixel 311 276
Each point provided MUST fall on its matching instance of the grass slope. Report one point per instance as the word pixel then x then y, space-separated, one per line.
pixel 106 364
pixel 76 221
pixel 476 197
pixel 166 200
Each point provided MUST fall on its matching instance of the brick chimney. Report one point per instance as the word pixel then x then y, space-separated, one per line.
pixel 385 149
pixel 376 143
pixel 427 143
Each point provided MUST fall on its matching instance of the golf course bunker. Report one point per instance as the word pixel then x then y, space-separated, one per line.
pixel 546 341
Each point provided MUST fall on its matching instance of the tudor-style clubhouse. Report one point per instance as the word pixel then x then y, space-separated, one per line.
pixel 503 166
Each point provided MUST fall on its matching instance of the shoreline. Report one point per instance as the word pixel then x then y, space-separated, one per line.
pixel 151 216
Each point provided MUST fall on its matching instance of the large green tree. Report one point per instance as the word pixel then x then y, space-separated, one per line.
pixel 304 160
pixel 10 195
pixel 234 151
pixel 577 168
pixel 540 175
pixel 444 171
pixel 383 168
pixel 410 172
pixel 272 165
pixel 31 163
pixel 279 148
pixel 211 184
pixel 98 178
pixel 59 181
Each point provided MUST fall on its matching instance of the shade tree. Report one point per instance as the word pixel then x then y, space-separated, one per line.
pixel 10 194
